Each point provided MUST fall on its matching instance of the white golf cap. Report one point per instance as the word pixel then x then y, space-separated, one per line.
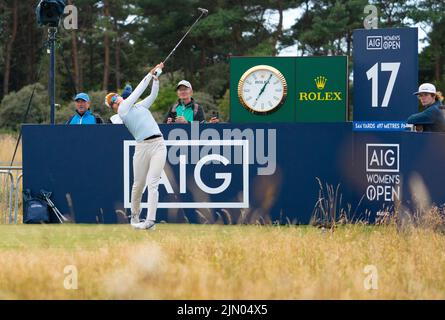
pixel 184 83
pixel 426 88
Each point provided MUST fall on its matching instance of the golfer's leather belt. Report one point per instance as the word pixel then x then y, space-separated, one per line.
pixel 153 137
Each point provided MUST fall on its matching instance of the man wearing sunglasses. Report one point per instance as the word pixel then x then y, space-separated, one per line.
pixel 83 114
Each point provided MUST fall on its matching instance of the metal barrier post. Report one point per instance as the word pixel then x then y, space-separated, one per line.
pixel 11 187
pixel 17 189
pixel 13 191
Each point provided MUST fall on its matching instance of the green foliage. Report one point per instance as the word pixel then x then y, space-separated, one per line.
pixel 14 105
pixel 141 33
pixel 326 27
pixel 166 98
pixel 213 79
pixel 263 49
pixel 98 106
pixel 224 107
pixel 207 103
pixel 431 13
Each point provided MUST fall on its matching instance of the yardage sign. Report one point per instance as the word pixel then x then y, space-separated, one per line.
pixel 385 77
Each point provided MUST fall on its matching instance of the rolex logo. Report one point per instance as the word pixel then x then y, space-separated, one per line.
pixel 320 82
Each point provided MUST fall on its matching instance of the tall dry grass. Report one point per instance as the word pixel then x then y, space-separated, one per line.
pixel 7 146
pixel 220 262
pixel 228 262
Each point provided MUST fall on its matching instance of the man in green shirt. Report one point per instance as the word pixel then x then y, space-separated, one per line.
pixel 186 109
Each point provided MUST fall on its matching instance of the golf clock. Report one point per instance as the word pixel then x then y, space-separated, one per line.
pixel 262 90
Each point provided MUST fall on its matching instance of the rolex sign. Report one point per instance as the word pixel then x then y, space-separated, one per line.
pixel 321 86
pixel 288 89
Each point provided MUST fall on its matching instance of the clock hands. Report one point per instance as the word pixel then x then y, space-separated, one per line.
pixel 264 88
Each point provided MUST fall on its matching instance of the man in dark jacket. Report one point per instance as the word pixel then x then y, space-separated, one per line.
pixel 83 114
pixel 186 109
pixel 432 119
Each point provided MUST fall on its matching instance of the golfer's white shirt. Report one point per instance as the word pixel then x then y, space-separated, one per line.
pixel 137 116
pixel 116 119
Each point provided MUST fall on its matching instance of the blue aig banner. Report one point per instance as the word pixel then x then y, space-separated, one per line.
pixel 385 74
pixel 246 172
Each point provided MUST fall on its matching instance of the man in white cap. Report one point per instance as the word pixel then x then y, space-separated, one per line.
pixel 186 109
pixel 432 119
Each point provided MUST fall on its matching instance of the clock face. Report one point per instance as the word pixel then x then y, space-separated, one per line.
pixel 262 90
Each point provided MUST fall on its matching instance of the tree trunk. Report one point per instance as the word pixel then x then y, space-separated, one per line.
pixel 279 32
pixel 438 67
pixel 441 66
pixel 75 57
pixel 117 56
pixel 203 60
pixel 91 61
pixel 349 43
pixel 90 57
pixel 30 57
pixel 106 48
pixel 237 40
pixel 8 51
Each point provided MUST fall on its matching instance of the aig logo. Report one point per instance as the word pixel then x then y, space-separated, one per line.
pixel 374 42
pixel 386 42
pixel 382 158
pixel 198 174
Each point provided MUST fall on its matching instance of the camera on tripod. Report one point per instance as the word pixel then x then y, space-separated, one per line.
pixel 49 12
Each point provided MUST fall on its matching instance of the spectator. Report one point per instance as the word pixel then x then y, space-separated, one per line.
pixel 432 119
pixel 186 109
pixel 83 114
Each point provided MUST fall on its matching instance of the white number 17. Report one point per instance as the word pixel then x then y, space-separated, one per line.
pixel 373 74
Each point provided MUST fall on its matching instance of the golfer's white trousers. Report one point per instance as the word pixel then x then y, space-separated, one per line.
pixel 148 163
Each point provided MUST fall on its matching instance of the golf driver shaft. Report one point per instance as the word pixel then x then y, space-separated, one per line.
pixel 203 12
pixel 182 39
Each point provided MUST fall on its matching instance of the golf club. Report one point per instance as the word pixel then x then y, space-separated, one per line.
pixel 46 195
pixel 204 12
pixel 58 213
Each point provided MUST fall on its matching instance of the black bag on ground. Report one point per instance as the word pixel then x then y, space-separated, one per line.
pixel 35 210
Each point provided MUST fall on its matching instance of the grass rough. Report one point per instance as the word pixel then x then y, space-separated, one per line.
pixel 220 262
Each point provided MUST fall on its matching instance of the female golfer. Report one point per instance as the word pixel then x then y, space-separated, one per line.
pixel 150 155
